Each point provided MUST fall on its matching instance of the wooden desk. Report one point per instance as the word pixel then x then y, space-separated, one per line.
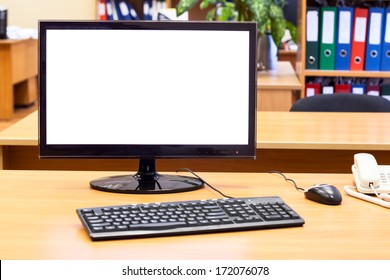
pixel 275 89
pixel 39 221
pixel 286 141
pixel 18 74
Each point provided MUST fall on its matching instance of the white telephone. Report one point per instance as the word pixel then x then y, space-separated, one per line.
pixel 370 178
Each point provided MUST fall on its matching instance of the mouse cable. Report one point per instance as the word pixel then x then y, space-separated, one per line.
pixel 203 181
pixel 287 179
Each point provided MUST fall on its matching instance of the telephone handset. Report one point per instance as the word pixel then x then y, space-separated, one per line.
pixel 370 178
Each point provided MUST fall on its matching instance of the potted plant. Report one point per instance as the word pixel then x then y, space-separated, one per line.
pixel 267 13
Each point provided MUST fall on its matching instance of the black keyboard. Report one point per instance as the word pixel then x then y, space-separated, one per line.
pixel 187 217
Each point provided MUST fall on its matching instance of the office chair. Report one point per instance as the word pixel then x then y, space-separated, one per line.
pixel 342 102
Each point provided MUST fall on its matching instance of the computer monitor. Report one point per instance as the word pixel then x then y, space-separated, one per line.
pixel 147 90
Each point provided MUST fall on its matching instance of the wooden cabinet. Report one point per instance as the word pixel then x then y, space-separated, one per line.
pixel 18 75
pixel 305 74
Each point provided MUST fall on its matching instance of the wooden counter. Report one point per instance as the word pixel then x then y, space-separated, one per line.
pixel 275 89
pixel 305 142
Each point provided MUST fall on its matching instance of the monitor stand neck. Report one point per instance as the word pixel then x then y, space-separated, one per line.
pixel 147 181
pixel 147 170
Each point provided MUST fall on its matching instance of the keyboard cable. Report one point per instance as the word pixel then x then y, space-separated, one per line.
pixel 203 181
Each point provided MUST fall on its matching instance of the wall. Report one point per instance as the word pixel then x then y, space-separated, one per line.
pixel 26 13
pixel 291 10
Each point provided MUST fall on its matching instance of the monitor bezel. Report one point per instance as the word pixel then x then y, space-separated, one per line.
pixel 148 151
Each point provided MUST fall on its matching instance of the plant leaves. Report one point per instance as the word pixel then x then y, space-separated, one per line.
pixel 211 14
pixel 227 12
pixel 260 12
pixel 204 4
pixel 278 28
pixel 267 13
pixel 184 5
pixel 275 11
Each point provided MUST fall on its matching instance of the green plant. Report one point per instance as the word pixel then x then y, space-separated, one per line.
pixel 267 13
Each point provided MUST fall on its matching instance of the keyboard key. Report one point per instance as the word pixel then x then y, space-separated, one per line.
pixel 158 226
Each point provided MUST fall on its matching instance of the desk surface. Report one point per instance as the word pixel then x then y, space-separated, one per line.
pixel 13 41
pixel 275 130
pixel 38 221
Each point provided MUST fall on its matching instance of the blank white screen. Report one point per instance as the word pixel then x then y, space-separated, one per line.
pixel 147 87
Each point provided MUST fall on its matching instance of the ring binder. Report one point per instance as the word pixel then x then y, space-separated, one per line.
pixel 312 36
pixel 344 36
pixel 359 39
pixel 374 39
pixel 328 38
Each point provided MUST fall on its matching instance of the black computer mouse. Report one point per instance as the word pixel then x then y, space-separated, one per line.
pixel 324 193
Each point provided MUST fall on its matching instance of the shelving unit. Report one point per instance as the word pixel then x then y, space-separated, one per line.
pixel 137 5
pixel 335 73
pixel 195 14
pixel 300 66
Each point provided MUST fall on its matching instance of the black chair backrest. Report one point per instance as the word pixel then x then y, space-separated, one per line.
pixel 342 102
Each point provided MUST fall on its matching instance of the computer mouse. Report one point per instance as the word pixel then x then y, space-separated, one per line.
pixel 324 193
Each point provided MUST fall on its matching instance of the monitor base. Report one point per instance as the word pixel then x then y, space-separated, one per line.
pixel 147 181
pixel 157 184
